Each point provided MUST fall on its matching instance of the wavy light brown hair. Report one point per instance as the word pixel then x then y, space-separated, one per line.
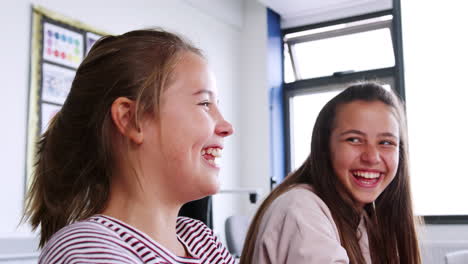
pixel 76 155
pixel 391 224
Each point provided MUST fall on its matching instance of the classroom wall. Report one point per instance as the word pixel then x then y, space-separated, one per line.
pixel 222 31
pixel 255 122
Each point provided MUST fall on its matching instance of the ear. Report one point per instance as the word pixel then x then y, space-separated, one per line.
pixel 123 113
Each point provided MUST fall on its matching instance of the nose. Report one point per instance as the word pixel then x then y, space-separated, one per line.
pixel 371 154
pixel 223 128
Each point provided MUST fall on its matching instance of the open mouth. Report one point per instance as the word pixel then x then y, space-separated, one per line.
pixel 367 179
pixel 212 155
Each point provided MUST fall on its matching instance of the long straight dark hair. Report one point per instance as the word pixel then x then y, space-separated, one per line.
pixel 76 155
pixel 390 223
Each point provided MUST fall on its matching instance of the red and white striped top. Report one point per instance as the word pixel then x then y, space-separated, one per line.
pixel 102 239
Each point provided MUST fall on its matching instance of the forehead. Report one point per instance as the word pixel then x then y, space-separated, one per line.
pixel 190 75
pixel 367 117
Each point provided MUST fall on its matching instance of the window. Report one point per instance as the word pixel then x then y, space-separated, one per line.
pixel 435 74
pixel 346 47
pixel 304 110
pixel 319 62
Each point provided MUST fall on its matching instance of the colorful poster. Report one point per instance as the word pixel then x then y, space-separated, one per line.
pixel 56 83
pixel 91 38
pixel 58 46
pixel 47 112
pixel 62 46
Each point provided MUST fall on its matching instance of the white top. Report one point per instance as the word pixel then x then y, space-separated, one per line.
pixel 102 239
pixel 298 228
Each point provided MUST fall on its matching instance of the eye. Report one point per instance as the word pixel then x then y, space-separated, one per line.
pixel 353 140
pixel 206 104
pixel 388 143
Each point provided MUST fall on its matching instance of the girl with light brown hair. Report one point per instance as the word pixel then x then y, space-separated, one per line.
pixel 350 201
pixel 138 136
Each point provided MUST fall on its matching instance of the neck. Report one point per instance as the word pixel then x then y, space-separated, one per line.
pixel 153 215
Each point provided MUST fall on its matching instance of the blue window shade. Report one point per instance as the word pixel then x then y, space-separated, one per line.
pixel 275 85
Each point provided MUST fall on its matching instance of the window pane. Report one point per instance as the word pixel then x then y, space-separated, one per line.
pixel 288 69
pixel 437 108
pixel 304 111
pixel 358 52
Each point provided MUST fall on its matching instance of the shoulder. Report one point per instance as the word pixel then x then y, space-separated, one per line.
pixel 87 239
pixel 298 227
pixel 194 232
pixel 201 241
pixel 299 198
pixel 189 229
pixel 186 225
pixel 298 210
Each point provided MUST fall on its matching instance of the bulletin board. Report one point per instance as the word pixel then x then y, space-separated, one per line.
pixel 58 45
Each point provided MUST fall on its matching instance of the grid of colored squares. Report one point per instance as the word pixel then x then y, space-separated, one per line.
pixel 56 40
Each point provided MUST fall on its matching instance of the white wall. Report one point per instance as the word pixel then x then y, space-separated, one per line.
pixel 254 125
pixel 14 76
pixel 226 42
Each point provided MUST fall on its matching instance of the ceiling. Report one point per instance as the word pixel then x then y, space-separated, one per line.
pixel 302 12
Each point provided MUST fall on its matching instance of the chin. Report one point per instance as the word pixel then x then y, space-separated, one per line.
pixel 365 200
pixel 206 189
pixel 212 189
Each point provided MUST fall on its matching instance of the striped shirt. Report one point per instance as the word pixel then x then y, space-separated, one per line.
pixel 102 239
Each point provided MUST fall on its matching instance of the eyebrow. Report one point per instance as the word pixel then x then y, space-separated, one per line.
pixel 354 131
pixel 204 91
pixel 210 94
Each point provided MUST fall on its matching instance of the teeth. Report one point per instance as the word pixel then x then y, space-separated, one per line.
pixel 215 152
pixel 213 161
pixel 367 175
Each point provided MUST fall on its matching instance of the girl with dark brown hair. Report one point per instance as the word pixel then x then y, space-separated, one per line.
pixel 350 201
pixel 137 137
